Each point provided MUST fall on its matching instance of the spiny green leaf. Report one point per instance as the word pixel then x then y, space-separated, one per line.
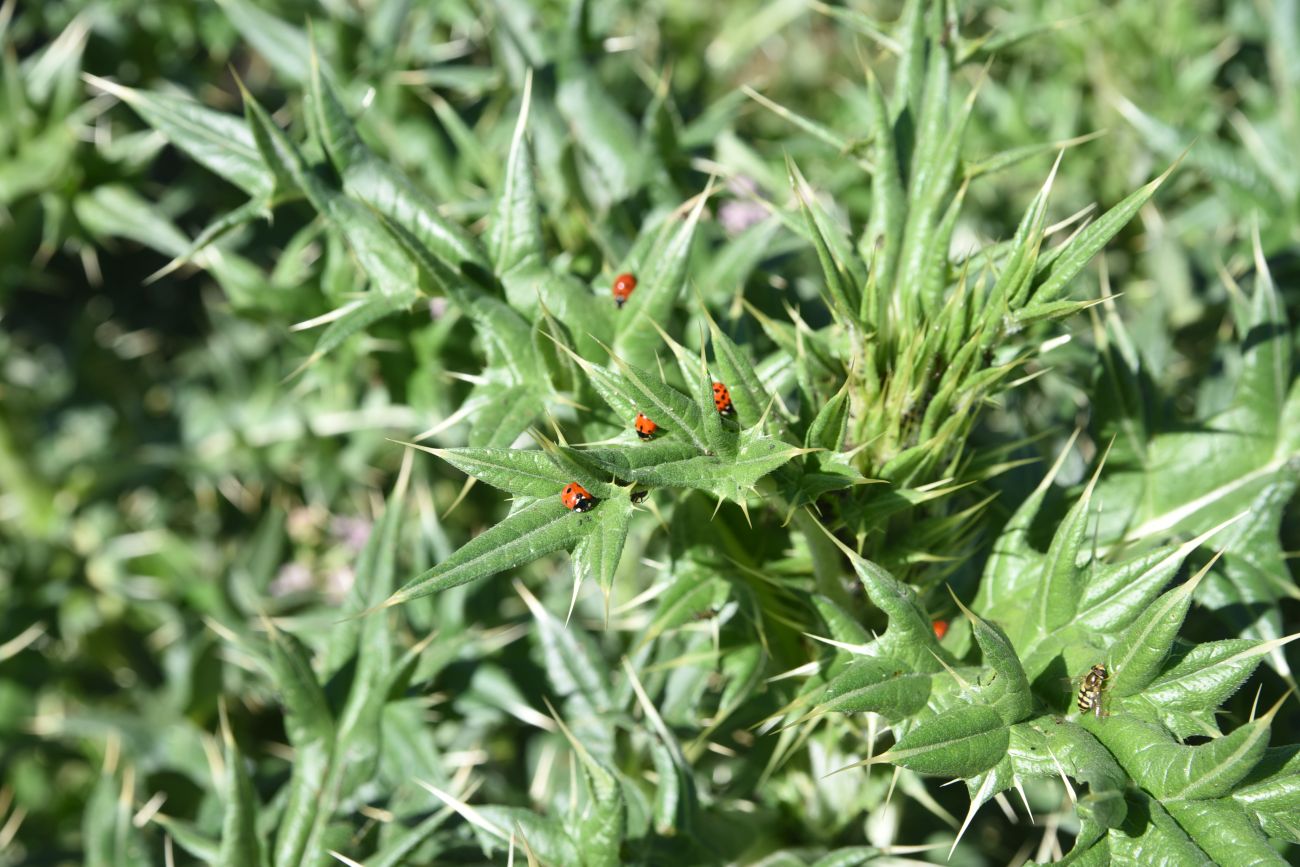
pixel 1009 690
pixel 515 236
pixel 1273 785
pixel 910 636
pixel 599 552
pixel 1207 675
pixel 573 661
pixel 961 742
pixel 221 142
pixel 240 845
pixel 522 472
pixel 507 412
pixel 1170 770
pixel 537 529
pixel 109 837
pixel 380 185
pixel 748 393
pixel 658 288
pixel 1062 580
pixel 1069 262
pixel 307 716
pixel 1139 653
pixel 1224 831
pixel 879 685
pixel 283 45
pixel 729 478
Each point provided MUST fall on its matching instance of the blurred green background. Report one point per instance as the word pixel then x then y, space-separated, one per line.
pixel 168 474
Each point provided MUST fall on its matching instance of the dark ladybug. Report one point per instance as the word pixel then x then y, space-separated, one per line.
pixel 645 428
pixel 722 399
pixel 576 497
pixel 623 286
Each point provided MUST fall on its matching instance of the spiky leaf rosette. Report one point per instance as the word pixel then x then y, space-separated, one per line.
pixel 1006 714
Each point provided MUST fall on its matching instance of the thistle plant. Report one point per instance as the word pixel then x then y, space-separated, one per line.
pixel 685 401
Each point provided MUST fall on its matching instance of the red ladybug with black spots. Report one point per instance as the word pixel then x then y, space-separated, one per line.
pixel 577 498
pixel 722 399
pixel 645 428
pixel 623 286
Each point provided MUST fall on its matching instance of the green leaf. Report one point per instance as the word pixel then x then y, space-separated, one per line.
pixel 391 271
pixel 961 742
pixel 574 664
pixel 748 393
pixel 507 412
pixel 1055 278
pixel 109 838
pixel 357 317
pixel 600 826
pixel 240 846
pixel 601 130
pixel 399 848
pixel 221 142
pixel 1116 593
pixel 1139 653
pixel 657 289
pixel 1224 831
pixel 692 592
pixel 284 46
pixel 599 552
pixel 1013 564
pixel 116 210
pixel 588 320
pixel 840 285
pixel 1273 785
pixel 1008 692
pixel 728 478
pixel 843 626
pixel 308 720
pixel 1151 836
pixel 1168 769
pixel 515 234
pixel 910 636
pixel 1061 584
pixel 189 838
pixel 537 529
pixel 884 236
pixel 673 411
pixel 879 685
pixel 1207 675
pixel 383 187
pixel 522 472
pixel 546 836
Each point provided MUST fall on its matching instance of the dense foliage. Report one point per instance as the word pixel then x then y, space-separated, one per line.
pixel 959 362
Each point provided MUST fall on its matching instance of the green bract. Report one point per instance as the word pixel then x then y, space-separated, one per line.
pixel 307 326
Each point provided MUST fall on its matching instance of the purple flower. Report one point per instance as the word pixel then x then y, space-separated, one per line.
pixel 293 577
pixel 339 582
pixel 351 531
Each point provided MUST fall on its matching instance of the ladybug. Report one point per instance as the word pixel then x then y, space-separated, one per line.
pixel 940 629
pixel 623 286
pixel 645 428
pixel 577 498
pixel 722 399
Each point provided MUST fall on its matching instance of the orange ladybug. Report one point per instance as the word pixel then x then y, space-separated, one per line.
pixel 722 399
pixel 645 428
pixel 940 629
pixel 577 498
pixel 623 286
